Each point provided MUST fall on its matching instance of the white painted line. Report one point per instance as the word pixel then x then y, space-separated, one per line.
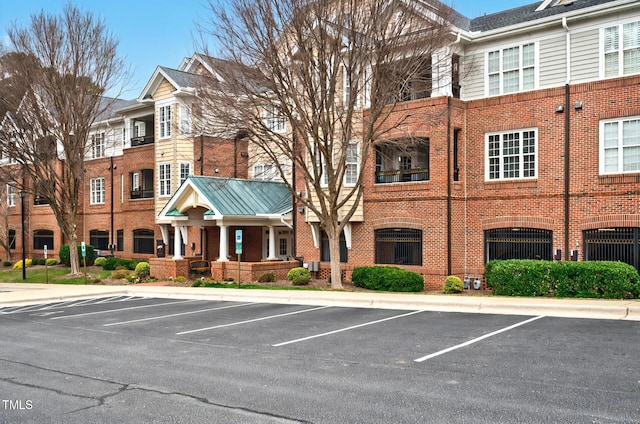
pixel 346 329
pixel 178 314
pixel 486 336
pixel 253 320
pixel 108 299
pixel 23 309
pixel 124 309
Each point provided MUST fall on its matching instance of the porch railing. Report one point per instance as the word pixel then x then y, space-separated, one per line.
pixel 401 176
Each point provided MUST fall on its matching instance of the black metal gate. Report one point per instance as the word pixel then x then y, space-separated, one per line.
pixel 613 244
pixel 518 243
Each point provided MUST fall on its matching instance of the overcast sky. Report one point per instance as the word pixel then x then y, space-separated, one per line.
pixel 153 33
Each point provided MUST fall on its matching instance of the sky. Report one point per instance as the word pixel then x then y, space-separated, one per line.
pixel 155 33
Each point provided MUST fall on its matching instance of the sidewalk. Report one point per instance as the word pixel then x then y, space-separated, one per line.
pixel 15 294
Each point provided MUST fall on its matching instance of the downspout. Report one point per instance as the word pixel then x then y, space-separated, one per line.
pixel 294 201
pixel 567 127
pixel 201 155
pixel 111 208
pixel 449 178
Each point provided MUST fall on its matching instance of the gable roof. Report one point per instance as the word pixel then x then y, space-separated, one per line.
pixel 528 13
pixel 180 80
pixel 230 197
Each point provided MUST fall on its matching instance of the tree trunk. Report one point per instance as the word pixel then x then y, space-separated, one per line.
pixel 73 256
pixel 334 252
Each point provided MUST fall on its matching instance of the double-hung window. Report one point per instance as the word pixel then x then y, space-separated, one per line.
pixel 164 113
pixel 352 165
pixel 264 171
pixel 185 171
pixel 97 191
pixel 164 179
pixel 11 195
pixel 511 155
pixel 274 120
pixel 511 70
pixel 97 145
pixel 620 145
pixel 621 50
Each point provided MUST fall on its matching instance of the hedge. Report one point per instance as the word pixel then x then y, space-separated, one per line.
pixel 589 279
pixel 112 263
pixel 387 278
pixel 65 255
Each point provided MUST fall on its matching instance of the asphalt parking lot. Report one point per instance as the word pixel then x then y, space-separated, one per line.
pixel 136 359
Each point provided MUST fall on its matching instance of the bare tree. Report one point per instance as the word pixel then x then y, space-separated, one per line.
pixel 59 68
pixel 315 83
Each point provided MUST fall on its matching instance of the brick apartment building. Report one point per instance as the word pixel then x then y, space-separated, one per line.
pixel 528 148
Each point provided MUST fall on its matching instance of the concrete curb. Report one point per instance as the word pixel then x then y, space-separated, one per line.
pixel 21 294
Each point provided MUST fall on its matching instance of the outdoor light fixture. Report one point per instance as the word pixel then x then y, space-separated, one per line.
pixel 578 105
pixel 22 194
pixel 559 108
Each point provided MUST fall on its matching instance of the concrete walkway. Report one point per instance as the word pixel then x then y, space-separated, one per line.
pixel 15 294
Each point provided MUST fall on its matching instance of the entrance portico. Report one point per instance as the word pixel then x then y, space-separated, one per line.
pixel 218 207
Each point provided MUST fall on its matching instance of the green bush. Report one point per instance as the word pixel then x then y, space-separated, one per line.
pixel 453 284
pixel 301 280
pixel 38 261
pixel 119 274
pixel 7 263
pixel 113 263
pixel 298 272
pixel 51 262
pixel 387 278
pixel 65 255
pixel 267 277
pixel 229 279
pixel 143 268
pixel 590 279
pixel 100 261
pixel 197 283
pixel 180 279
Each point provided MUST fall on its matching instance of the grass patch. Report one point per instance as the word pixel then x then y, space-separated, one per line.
pixel 255 286
pixel 56 276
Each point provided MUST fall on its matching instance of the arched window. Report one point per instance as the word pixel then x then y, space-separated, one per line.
pixel 613 244
pixel 398 246
pixel 143 241
pixel 518 243
pixel 42 238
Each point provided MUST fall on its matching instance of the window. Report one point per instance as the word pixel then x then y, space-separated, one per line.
pixel 322 169
pixel 185 171
pixel 325 254
pixel 42 238
pixel 620 146
pixel 511 155
pixel 11 195
pixel 621 50
pixel 97 191
pixel 11 236
pixel 142 184
pixel 97 145
pixel 120 240
pixel 402 161
pixel 346 89
pixel 613 244
pixel 511 70
pixel 185 120
pixel 264 171
pixel 164 179
pixel 274 120
pixel 352 164
pixel 99 239
pixel 164 113
pixel 518 243
pixel 398 246
pixel 143 241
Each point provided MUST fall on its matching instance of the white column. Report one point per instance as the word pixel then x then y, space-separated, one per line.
pixel 272 243
pixel 177 243
pixel 224 243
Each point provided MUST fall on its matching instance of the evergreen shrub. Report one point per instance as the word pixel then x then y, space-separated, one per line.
pixel 387 278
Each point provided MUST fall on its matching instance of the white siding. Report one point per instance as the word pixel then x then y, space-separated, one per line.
pixel 585 52
pixel 553 62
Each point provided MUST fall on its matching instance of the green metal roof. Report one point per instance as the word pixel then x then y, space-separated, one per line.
pixel 233 196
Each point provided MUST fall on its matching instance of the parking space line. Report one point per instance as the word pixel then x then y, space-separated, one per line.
pixel 252 320
pixel 125 309
pixel 346 329
pixel 178 314
pixel 477 339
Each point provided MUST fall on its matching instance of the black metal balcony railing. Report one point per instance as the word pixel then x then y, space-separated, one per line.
pixel 142 194
pixel 402 176
pixel 40 200
pixel 141 141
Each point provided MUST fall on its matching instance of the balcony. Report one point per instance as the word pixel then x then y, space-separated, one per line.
pixel 141 141
pixel 402 176
pixel 142 194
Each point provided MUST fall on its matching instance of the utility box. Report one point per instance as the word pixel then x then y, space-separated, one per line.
pixel 314 266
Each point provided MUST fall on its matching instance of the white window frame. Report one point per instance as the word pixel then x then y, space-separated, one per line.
pixel 97 191
pixel 352 162
pixel 98 145
pixel 186 127
pixel 11 195
pixel 498 160
pixel 135 181
pixel 185 171
pixel 617 152
pixel 617 49
pixel 274 121
pixel 164 121
pixel 520 68
pixel 265 171
pixel 164 179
